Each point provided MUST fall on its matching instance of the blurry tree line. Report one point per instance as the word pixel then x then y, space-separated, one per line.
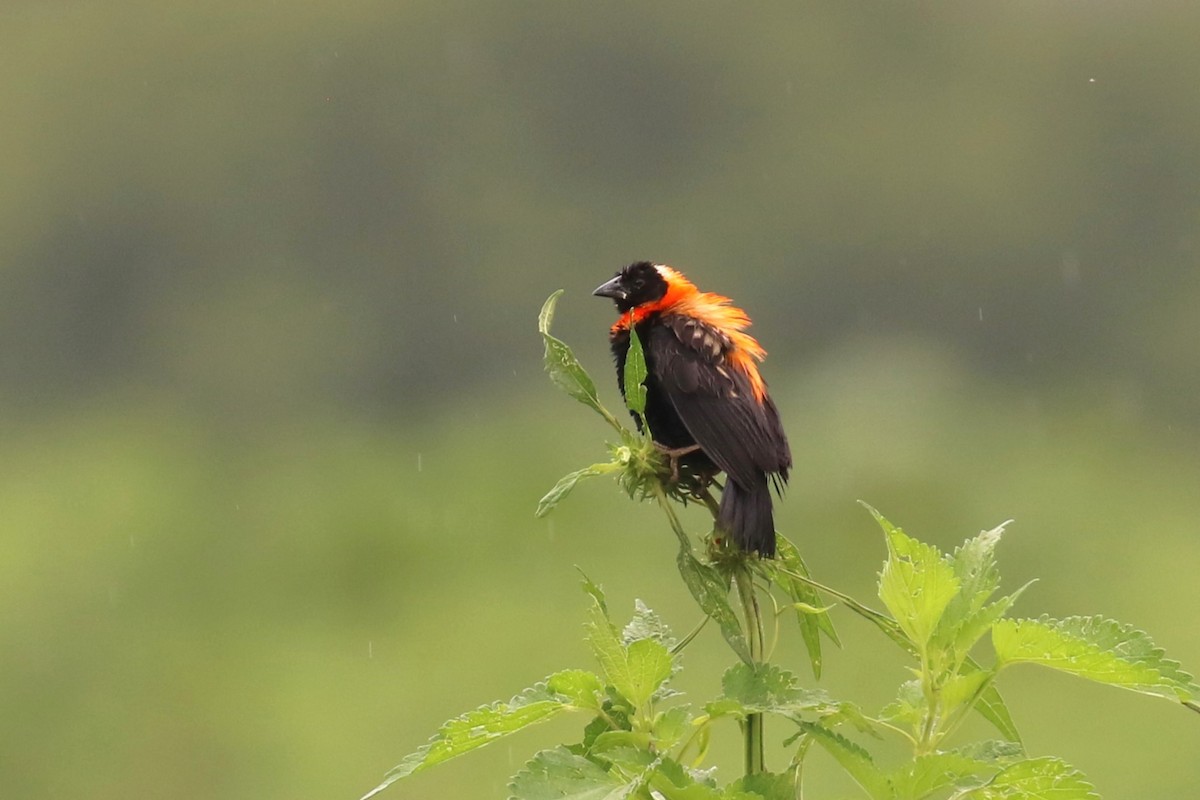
pixel 249 209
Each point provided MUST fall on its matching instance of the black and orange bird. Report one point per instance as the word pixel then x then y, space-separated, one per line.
pixel 706 403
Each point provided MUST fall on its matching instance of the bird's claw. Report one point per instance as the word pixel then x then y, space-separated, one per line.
pixel 673 455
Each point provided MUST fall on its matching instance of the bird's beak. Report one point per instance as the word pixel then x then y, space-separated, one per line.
pixel 614 289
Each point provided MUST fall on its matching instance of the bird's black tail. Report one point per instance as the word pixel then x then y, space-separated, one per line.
pixel 746 514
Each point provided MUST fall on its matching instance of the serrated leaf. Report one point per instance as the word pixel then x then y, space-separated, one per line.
pixel 578 687
pixel 564 368
pixel 646 624
pixel 917 583
pixel 993 751
pixel 567 482
pixel 594 591
pixel 606 645
pixel 803 595
pixel 1036 779
pixel 908 706
pixel 765 688
pixel 601 724
pixel 930 773
pixel 635 671
pixel 991 706
pixel 974 565
pixel 648 666
pixel 856 761
pixel 627 750
pixel 670 727
pixel 767 785
pixel 561 775
pixel 476 729
pixel 697 791
pixel 1096 648
pixel 980 622
pixel 674 781
pixel 711 592
pixel 961 689
pixel 635 376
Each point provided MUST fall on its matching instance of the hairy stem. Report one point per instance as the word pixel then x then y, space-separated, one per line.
pixel 754 634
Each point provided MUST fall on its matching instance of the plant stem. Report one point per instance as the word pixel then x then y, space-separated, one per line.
pixel 881 621
pixel 682 643
pixel 753 729
pixel 743 577
pixel 664 503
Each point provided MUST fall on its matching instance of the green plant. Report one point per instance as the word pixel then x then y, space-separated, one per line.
pixel 641 742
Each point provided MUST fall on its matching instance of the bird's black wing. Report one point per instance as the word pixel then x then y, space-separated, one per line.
pixel 715 401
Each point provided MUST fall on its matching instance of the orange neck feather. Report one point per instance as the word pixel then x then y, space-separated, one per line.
pixel 682 297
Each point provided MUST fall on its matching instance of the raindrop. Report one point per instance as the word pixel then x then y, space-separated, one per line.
pixel 981 313
pixel 370 649
pixel 418 462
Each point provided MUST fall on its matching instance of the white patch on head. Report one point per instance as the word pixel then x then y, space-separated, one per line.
pixel 666 272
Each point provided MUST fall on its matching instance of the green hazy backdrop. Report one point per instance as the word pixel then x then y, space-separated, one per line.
pixel 273 421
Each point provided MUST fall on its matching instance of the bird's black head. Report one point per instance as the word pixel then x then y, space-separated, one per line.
pixel 636 285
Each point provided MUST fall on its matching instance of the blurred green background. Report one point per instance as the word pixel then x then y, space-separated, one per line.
pixel 273 416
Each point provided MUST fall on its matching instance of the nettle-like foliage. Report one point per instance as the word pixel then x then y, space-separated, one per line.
pixel 641 741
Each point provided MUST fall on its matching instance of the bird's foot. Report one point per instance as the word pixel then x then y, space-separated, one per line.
pixel 673 455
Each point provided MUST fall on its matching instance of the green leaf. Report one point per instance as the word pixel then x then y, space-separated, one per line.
pixel 648 666
pixel 930 773
pixel 917 583
pixel 974 566
pixel 961 689
pixel 993 751
pixel 567 482
pixel 578 687
pixel 767 785
pixel 613 716
pixel 852 758
pixel 646 624
pixel 711 591
pixel 635 376
pixel 1036 779
pixel 627 750
pixel 671 726
pixel 475 729
pixel 765 688
pixel 546 315
pixel 1096 648
pixel 980 622
pixel 564 368
pixel 677 783
pixel 804 597
pixel 636 671
pixel 606 644
pixel 594 591
pixel 561 775
pixel 908 706
pixel 991 706
pixel 693 791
